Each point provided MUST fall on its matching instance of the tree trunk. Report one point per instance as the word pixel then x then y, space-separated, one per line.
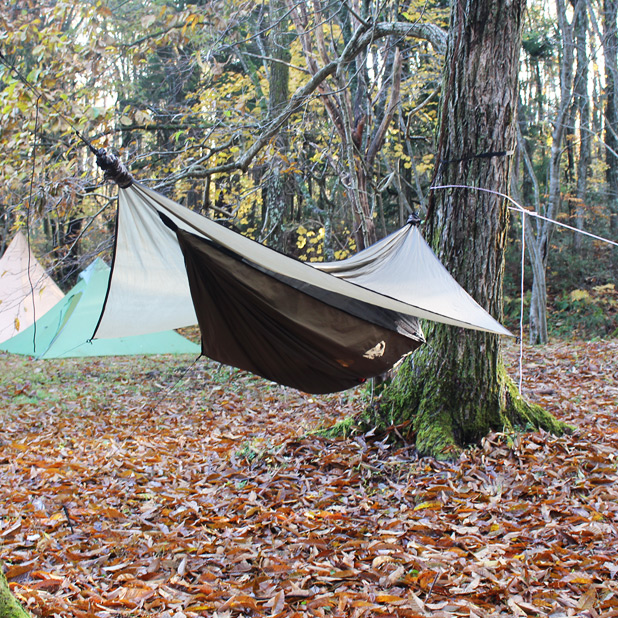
pixel 9 606
pixel 360 117
pixel 278 190
pixel 538 298
pixel 538 233
pixel 582 104
pixel 65 238
pixel 455 389
pixel 610 43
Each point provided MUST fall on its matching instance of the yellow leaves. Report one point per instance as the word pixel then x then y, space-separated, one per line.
pixel 434 505
pixel 191 22
pixel 601 289
pixel 301 242
pixel 579 295
pixel 418 11
pixel 312 241
pixel 426 164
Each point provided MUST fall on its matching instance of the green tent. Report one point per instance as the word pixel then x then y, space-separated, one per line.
pixel 65 330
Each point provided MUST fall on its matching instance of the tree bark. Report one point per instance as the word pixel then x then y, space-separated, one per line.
pixel 279 185
pixel 582 104
pixel 9 606
pixel 454 390
pixel 610 52
pixel 538 232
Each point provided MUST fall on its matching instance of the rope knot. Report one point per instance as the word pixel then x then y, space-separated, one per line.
pixel 114 169
pixel 413 219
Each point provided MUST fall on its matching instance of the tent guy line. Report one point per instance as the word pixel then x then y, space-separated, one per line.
pixel 519 208
pixel 164 393
pixel 521 302
pixel 36 132
pixel 532 213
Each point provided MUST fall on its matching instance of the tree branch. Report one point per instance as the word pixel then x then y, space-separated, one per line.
pixel 378 138
pixel 361 38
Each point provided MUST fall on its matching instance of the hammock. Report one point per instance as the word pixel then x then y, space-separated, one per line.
pixel 318 327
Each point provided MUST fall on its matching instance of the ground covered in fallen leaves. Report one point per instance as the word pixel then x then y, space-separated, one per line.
pixel 153 487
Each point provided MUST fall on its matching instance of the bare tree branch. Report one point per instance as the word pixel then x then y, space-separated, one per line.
pixel 378 138
pixel 361 38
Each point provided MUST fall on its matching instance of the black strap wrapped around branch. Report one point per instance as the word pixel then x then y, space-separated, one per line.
pixel 114 169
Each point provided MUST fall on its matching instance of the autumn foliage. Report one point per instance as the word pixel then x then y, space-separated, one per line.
pixel 143 488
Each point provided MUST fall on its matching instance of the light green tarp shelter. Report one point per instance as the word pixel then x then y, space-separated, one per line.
pixel 65 330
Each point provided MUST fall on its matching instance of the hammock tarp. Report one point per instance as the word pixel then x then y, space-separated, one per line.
pixel 27 292
pixel 317 327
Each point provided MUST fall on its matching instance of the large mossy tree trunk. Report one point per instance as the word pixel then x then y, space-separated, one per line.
pixel 9 606
pixel 455 390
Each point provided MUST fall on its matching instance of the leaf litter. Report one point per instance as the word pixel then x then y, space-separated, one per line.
pixel 138 487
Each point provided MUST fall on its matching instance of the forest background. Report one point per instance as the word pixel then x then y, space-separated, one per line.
pixel 307 126
pixel 310 127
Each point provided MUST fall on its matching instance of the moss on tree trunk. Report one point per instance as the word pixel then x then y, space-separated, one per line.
pixel 455 390
pixel 9 606
pixel 455 399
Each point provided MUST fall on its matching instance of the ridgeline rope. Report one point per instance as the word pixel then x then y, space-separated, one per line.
pixel 109 163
